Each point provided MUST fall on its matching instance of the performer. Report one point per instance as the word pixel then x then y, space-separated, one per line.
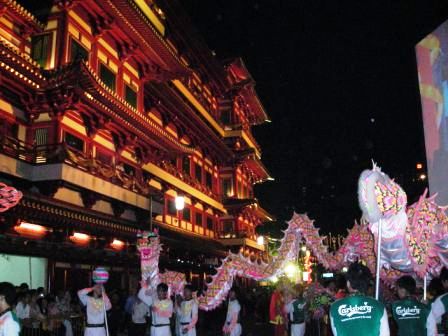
pixel 161 309
pixel 277 316
pixel 9 325
pixel 187 313
pixel 232 326
pixel 96 300
pixel 413 318
pixel 296 309
pixel 440 306
pixel 140 311
pixel 358 313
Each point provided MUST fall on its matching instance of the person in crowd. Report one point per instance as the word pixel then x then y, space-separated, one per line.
pixel 277 314
pixel 115 315
pixel 96 301
pixel 24 288
pixel 63 303
pixel 55 318
pixel 412 317
pixel 440 305
pixel 358 313
pixel 296 310
pixel 23 308
pixel 187 313
pixel 232 326
pixel 128 306
pixel 36 315
pixel 161 308
pixel 9 324
pixel 139 314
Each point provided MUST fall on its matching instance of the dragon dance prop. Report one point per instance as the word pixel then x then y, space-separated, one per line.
pixel 414 238
pixel 234 265
pixel 9 197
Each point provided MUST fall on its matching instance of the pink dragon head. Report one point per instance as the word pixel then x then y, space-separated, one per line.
pixel 379 196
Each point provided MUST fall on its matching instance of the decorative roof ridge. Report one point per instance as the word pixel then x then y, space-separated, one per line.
pixel 22 11
pixel 148 23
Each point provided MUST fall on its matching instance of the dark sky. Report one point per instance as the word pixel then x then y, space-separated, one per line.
pixel 339 81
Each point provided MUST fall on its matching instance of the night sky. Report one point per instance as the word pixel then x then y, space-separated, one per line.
pixel 339 81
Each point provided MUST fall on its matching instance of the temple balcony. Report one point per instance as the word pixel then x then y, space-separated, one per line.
pixel 239 238
pixel 60 162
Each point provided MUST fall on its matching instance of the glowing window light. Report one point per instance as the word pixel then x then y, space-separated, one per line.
pixel 117 244
pixel 179 202
pixel 419 166
pixel 422 177
pixel 80 238
pixel 260 240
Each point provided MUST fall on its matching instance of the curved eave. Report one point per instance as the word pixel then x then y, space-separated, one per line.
pixel 95 91
pixel 259 113
pixel 136 23
pixel 257 168
pixel 20 65
pixel 171 98
pixel 24 15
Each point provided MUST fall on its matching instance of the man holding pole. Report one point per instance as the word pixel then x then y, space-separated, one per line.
pixel 97 304
pixel 357 313
pixel 413 318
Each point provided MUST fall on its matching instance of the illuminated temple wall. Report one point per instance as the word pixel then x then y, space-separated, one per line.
pixel 136 118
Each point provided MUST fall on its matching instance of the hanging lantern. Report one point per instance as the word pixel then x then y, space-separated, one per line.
pixel 117 244
pixel 80 238
pixel 29 230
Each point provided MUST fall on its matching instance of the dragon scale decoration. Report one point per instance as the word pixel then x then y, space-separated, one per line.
pixel 9 197
pixel 234 265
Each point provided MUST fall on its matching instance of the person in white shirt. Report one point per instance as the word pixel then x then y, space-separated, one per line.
pixel 140 311
pixel 96 304
pixel 23 306
pixel 9 325
pixel 232 326
pixel 187 313
pixel 161 309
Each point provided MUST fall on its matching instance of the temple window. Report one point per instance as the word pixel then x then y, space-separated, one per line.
pixel 209 223
pixel 41 136
pixel 40 50
pixel 209 180
pixel 77 51
pixel 198 219
pixel 186 214
pixel 227 187
pixel 103 157
pixel 130 96
pixel 74 142
pixel 128 169
pixel 108 77
pixel 171 207
pixel 186 165
pixel 198 173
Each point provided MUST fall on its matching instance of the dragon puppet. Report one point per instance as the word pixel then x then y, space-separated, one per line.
pixel 414 238
pixel 234 265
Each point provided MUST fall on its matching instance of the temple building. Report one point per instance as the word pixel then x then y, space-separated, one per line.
pixel 112 112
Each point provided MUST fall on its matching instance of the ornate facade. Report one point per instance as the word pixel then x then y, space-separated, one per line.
pixel 110 110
